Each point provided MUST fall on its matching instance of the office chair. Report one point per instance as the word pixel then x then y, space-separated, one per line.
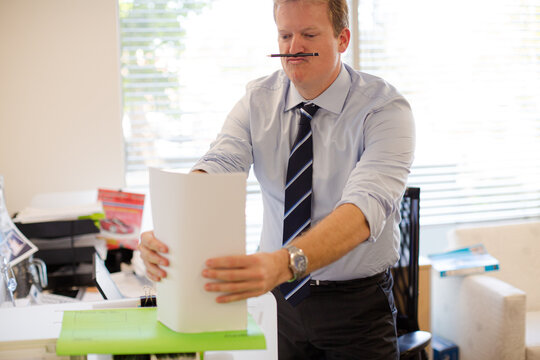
pixel 411 341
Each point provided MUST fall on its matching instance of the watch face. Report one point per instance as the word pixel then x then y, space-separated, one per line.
pixel 300 263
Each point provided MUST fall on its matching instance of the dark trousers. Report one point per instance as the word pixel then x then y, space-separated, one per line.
pixel 353 319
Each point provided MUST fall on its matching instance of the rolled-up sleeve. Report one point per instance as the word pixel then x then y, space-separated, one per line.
pixel 378 181
pixel 232 149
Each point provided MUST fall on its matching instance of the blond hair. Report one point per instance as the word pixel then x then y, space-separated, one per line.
pixel 338 12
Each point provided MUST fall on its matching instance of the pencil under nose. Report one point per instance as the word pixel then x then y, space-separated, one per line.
pixel 294 55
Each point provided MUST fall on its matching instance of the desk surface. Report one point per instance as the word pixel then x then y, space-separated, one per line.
pixel 33 330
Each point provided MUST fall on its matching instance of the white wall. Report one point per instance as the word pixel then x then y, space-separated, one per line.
pixel 60 97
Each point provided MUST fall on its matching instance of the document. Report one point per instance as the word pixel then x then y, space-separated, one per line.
pixel 198 216
pixel 121 227
pixel 136 331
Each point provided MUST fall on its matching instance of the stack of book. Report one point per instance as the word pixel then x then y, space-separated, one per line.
pixel 464 261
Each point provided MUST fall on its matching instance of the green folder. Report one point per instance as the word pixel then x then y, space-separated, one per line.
pixel 137 331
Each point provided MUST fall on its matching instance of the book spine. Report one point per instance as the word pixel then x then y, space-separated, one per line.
pixel 468 271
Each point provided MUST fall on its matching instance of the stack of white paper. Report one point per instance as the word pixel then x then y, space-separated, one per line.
pixel 198 216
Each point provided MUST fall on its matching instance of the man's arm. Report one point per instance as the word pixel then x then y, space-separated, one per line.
pixel 375 184
pixel 340 232
pixel 252 275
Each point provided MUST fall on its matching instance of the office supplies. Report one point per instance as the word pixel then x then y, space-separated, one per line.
pixel 110 291
pixel 53 212
pixel 31 272
pixel 80 247
pixel 67 248
pixel 464 261
pixel 123 216
pixel 294 55
pixel 33 330
pixel 198 217
pixel 180 356
pixel 37 339
pixel 444 349
pixel 14 245
pixel 137 331
pixel 57 229
pixel 102 279
pixel 40 298
pixel 38 272
pixel 7 279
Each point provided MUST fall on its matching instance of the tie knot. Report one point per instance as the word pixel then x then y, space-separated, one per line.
pixel 307 110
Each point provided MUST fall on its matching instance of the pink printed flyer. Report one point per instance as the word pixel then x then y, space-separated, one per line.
pixel 123 216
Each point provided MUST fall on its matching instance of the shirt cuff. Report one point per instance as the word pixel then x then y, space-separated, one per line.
pixel 205 167
pixel 372 211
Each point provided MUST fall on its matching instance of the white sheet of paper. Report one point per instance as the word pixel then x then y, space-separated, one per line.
pixel 198 216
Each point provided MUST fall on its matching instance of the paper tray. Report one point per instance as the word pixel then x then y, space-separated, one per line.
pixel 56 229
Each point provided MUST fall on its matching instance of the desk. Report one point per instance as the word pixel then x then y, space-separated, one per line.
pixel 424 294
pixel 31 332
pixel 424 298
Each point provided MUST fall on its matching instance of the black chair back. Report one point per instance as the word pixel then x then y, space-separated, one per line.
pixel 405 271
pixel 411 341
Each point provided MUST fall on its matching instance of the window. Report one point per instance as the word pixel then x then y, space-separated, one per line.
pixel 469 69
pixel 184 65
pixel 471 72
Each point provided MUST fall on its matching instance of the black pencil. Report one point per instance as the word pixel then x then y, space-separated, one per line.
pixel 294 55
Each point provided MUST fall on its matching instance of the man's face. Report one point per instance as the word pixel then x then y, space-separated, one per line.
pixel 304 26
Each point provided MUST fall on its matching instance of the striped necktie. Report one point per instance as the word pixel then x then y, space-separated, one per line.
pixel 298 194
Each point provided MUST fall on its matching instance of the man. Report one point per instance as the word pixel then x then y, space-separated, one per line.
pixel 362 137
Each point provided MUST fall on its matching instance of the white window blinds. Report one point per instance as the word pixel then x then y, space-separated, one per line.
pixel 184 66
pixel 469 69
pixel 471 72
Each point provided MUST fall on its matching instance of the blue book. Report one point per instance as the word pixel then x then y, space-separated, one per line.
pixel 468 260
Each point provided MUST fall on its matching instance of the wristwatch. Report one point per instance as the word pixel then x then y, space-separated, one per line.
pixel 298 262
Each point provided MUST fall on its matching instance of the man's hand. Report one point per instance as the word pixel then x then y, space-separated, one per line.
pixel 246 276
pixel 150 249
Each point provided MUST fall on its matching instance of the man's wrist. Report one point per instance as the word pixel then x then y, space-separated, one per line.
pixel 298 262
pixel 286 273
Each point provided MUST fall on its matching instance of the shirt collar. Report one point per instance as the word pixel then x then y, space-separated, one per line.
pixel 332 99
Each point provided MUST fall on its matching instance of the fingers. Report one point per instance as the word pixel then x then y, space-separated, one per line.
pixel 236 268
pixel 235 280
pixel 234 276
pixel 240 277
pixel 152 257
pixel 235 287
pixel 154 272
pixel 228 262
pixel 150 249
pixel 234 291
pixel 149 241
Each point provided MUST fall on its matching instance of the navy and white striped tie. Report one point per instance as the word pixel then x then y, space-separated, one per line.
pixel 298 195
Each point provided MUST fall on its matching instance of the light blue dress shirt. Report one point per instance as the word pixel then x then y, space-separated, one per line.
pixel 363 147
